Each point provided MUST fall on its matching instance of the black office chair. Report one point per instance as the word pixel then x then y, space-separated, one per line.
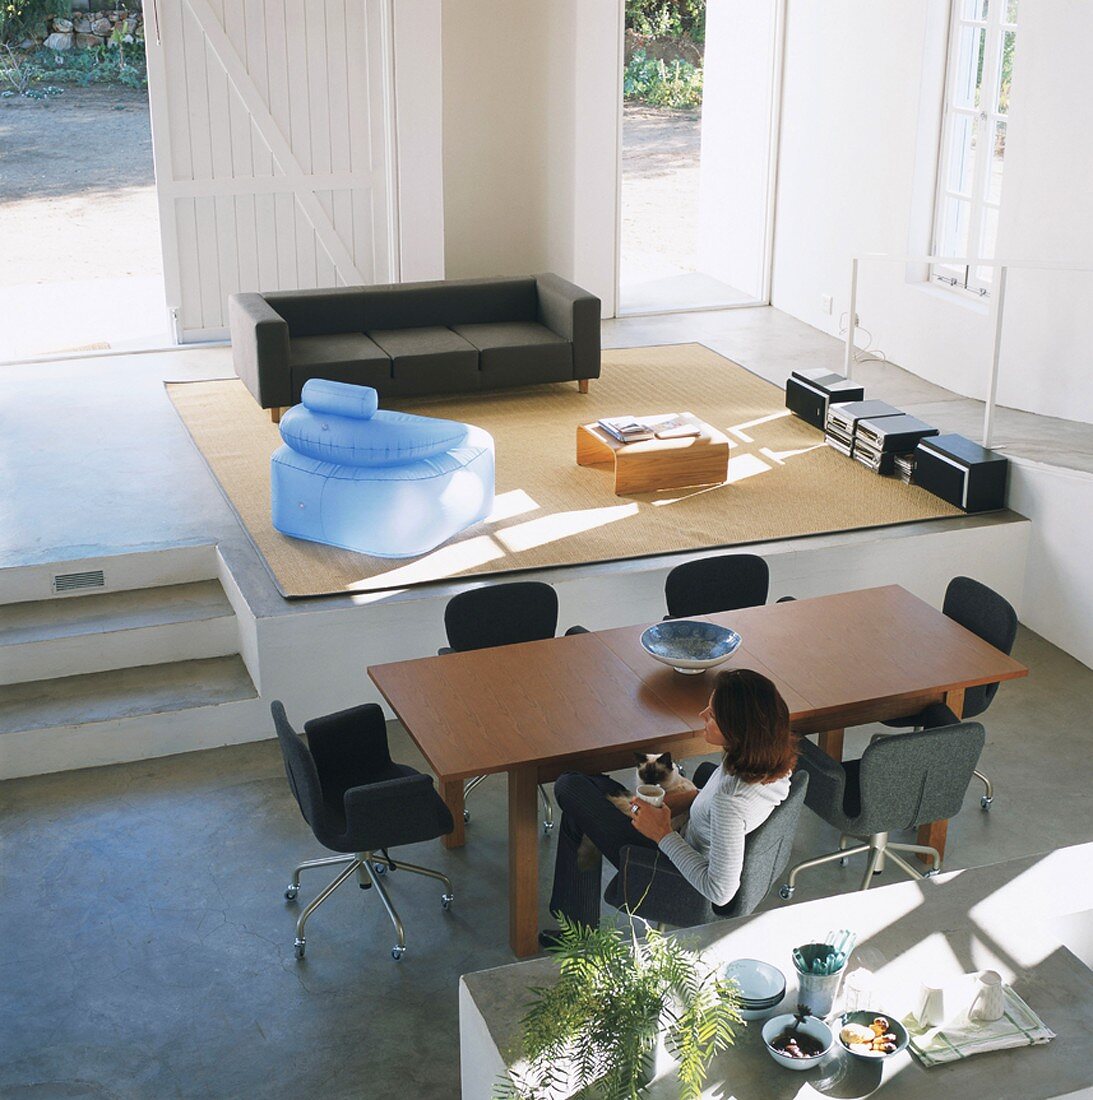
pixel 899 783
pixel 649 885
pixel 359 803
pixel 503 614
pixel 987 614
pixel 725 582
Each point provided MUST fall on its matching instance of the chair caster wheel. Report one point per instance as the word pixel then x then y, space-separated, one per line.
pixel 466 816
pixel 379 868
pixel 291 892
pixel 446 901
pixel 298 947
pixel 986 801
pixel 548 828
pixel 786 892
pixel 397 953
pixel 844 862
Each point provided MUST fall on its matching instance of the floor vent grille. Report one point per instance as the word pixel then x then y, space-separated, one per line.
pixel 72 582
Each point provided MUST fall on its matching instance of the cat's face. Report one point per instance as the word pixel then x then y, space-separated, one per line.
pixel 654 767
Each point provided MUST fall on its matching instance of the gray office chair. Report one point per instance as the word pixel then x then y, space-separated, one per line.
pixel 899 783
pixel 648 884
pixel 991 617
pixel 358 803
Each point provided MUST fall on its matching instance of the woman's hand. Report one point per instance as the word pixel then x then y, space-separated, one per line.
pixel 655 822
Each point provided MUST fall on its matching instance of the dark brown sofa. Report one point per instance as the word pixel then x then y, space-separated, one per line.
pixel 416 338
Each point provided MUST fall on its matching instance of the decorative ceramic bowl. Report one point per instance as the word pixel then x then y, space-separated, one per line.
pixel 866 1017
pixel 690 646
pixel 762 986
pixel 812 1026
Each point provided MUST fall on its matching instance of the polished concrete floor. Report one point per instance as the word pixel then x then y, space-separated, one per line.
pixel 148 950
pixel 148 947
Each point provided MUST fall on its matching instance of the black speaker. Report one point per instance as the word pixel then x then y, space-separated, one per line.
pixel 961 472
pixel 808 393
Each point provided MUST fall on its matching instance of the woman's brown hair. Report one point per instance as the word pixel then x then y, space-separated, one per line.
pixel 754 720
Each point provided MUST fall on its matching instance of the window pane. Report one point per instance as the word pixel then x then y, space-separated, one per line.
pixel 975 9
pixel 1011 11
pixel 953 238
pixel 961 155
pixel 969 66
pixel 1009 41
pixel 987 241
pixel 998 153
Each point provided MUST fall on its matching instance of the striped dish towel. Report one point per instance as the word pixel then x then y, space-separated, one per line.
pixel 961 1038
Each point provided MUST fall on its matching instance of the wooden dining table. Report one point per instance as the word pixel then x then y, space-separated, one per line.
pixel 588 702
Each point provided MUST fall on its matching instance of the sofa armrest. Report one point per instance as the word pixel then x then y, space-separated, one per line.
pixel 574 314
pixel 259 337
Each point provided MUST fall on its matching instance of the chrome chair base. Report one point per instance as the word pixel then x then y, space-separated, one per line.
pixel 368 866
pixel 879 848
pixel 544 798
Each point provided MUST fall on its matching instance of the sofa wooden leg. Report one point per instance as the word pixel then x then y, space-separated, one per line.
pixel 582 385
pixel 275 414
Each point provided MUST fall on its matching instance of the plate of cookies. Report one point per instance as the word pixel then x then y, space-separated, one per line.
pixel 871 1035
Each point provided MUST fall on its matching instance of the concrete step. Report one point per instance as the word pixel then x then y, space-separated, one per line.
pixel 75 635
pixel 85 700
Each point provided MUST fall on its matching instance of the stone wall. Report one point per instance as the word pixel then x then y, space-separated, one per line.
pixel 84 30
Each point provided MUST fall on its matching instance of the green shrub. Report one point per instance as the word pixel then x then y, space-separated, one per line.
pixel 117 62
pixel 661 83
pixel 22 18
pixel 668 18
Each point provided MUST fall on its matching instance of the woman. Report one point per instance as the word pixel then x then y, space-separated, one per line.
pixel 748 719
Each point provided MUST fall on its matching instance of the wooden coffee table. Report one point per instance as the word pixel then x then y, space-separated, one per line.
pixel 654 464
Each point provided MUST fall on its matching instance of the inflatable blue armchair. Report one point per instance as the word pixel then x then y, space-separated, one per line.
pixel 384 483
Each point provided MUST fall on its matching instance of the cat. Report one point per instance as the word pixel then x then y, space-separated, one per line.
pixel 655 769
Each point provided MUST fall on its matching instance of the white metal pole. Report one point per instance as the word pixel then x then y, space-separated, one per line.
pixel 996 355
pixel 851 318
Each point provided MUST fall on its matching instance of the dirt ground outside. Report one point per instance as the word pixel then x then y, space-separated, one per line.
pixel 660 173
pixel 77 192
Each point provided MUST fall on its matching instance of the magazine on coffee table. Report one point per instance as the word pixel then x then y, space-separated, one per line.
pixel 633 429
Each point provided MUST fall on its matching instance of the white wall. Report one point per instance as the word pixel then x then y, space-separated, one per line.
pixel 530 138
pixel 419 102
pixel 860 117
pixel 1058 594
pixel 734 177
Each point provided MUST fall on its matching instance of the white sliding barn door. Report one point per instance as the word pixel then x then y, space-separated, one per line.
pixel 272 135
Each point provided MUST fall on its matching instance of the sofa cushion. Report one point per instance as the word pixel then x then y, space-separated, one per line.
pixel 428 360
pixel 385 439
pixel 519 353
pixel 462 301
pixel 348 357
pixel 320 312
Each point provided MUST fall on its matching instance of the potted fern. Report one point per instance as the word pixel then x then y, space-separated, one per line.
pixel 594 1033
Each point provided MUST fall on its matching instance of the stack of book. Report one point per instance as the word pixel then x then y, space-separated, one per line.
pixel 631 429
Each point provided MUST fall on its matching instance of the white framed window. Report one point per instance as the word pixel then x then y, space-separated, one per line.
pixel 982 42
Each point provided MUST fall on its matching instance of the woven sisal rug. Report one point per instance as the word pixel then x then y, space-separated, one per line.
pixel 783 480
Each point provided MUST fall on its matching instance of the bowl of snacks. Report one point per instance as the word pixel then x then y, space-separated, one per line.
pixel 690 645
pixel 797 1041
pixel 871 1035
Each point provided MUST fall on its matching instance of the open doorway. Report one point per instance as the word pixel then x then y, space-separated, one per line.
pixel 698 95
pixel 82 263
